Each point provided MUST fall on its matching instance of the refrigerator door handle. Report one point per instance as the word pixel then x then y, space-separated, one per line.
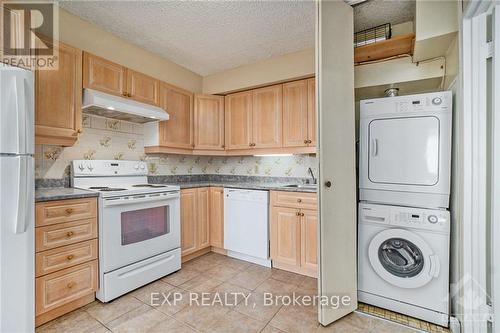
pixel 23 195
pixel 21 113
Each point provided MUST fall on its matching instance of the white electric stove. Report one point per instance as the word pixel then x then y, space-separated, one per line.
pixel 139 224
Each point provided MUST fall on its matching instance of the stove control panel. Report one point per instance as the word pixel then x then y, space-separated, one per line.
pixel 82 168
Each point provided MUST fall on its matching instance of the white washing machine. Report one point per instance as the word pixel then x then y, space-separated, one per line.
pixel 405 150
pixel 403 260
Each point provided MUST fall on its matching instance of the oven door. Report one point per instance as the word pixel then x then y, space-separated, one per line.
pixel 137 227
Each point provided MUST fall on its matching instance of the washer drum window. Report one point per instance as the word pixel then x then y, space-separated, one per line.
pixel 401 257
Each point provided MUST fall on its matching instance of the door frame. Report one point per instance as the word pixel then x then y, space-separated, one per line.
pixel 477 313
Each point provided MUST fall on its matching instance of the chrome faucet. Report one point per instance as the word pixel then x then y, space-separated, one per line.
pixel 310 171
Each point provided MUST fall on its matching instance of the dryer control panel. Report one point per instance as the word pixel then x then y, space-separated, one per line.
pixel 405 217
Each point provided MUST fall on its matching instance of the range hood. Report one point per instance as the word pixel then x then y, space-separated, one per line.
pixel 110 106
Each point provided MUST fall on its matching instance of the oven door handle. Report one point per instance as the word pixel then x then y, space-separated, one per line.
pixel 139 199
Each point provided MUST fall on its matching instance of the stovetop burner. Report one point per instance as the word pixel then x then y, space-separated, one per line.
pixel 148 185
pixel 111 189
pixel 106 188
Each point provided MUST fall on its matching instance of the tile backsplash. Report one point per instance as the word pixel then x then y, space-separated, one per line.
pixel 104 138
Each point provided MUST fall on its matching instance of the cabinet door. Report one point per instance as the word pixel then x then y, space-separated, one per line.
pixel 238 120
pixel 203 220
pixel 285 236
pixel 267 111
pixel 103 75
pixel 177 131
pixel 309 242
pixel 188 220
pixel 143 88
pixel 209 122
pixel 311 111
pixel 295 114
pixel 58 95
pixel 217 217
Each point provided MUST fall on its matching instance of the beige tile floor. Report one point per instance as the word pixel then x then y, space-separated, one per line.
pixel 217 275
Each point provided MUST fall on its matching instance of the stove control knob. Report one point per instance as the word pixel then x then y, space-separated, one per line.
pixel 432 219
pixel 143 166
pixel 90 167
pixel 136 166
pixel 81 166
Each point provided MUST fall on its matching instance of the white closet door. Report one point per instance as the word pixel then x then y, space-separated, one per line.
pixel 337 190
pixel 404 151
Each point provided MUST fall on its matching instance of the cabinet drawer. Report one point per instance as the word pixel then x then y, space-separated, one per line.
pixel 56 289
pixel 294 199
pixel 67 233
pixel 65 257
pixel 52 212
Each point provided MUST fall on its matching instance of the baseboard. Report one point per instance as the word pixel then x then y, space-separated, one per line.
pixel 199 253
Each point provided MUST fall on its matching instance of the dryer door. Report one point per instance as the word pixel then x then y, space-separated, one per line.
pixel 402 258
pixel 404 151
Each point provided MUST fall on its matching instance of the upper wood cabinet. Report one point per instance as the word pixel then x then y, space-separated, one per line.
pixel 58 98
pixel 299 114
pixel 238 120
pixel 209 122
pixel 106 76
pixel 177 132
pixel 311 111
pixel 217 217
pixel 267 117
pixel 143 88
pixel 103 75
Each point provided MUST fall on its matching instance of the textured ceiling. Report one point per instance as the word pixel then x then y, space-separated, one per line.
pixel 376 12
pixel 206 36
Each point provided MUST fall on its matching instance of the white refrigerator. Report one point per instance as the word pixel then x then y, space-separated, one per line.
pixel 17 202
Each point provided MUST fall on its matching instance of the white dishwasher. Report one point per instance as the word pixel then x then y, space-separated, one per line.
pixel 246 227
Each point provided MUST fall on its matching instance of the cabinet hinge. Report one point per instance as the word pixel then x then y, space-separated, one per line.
pixel 490 49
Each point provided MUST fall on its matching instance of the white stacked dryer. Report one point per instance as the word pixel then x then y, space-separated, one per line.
pixel 404 189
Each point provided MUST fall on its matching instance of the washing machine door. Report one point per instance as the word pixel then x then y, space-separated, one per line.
pixel 402 258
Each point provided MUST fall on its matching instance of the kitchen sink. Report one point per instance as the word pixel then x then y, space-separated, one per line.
pixel 305 186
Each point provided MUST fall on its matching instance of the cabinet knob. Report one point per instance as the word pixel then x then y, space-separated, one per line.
pixel 129 95
pixel 79 131
pixel 298 213
pixel 69 211
pixel 70 233
pixel 301 214
pixel 124 94
pixel 299 200
pixel 306 141
pixel 328 184
pixel 70 257
pixel 71 285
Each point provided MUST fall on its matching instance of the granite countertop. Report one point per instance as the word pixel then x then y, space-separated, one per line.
pixel 245 185
pixel 61 193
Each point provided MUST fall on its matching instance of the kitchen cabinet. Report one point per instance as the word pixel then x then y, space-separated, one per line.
pixel 285 236
pixel 253 118
pixel 66 256
pixel 143 88
pixel 267 113
pixel 299 114
pixel 104 75
pixel 217 217
pixel 293 232
pixel 203 218
pixel 195 220
pixel 208 122
pixel 238 120
pixel 58 98
pixel 111 78
pixel 177 132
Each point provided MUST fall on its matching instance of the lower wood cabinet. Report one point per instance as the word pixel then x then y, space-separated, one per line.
pixel 195 220
pixel 293 232
pixel 217 217
pixel 66 258
pixel 202 220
